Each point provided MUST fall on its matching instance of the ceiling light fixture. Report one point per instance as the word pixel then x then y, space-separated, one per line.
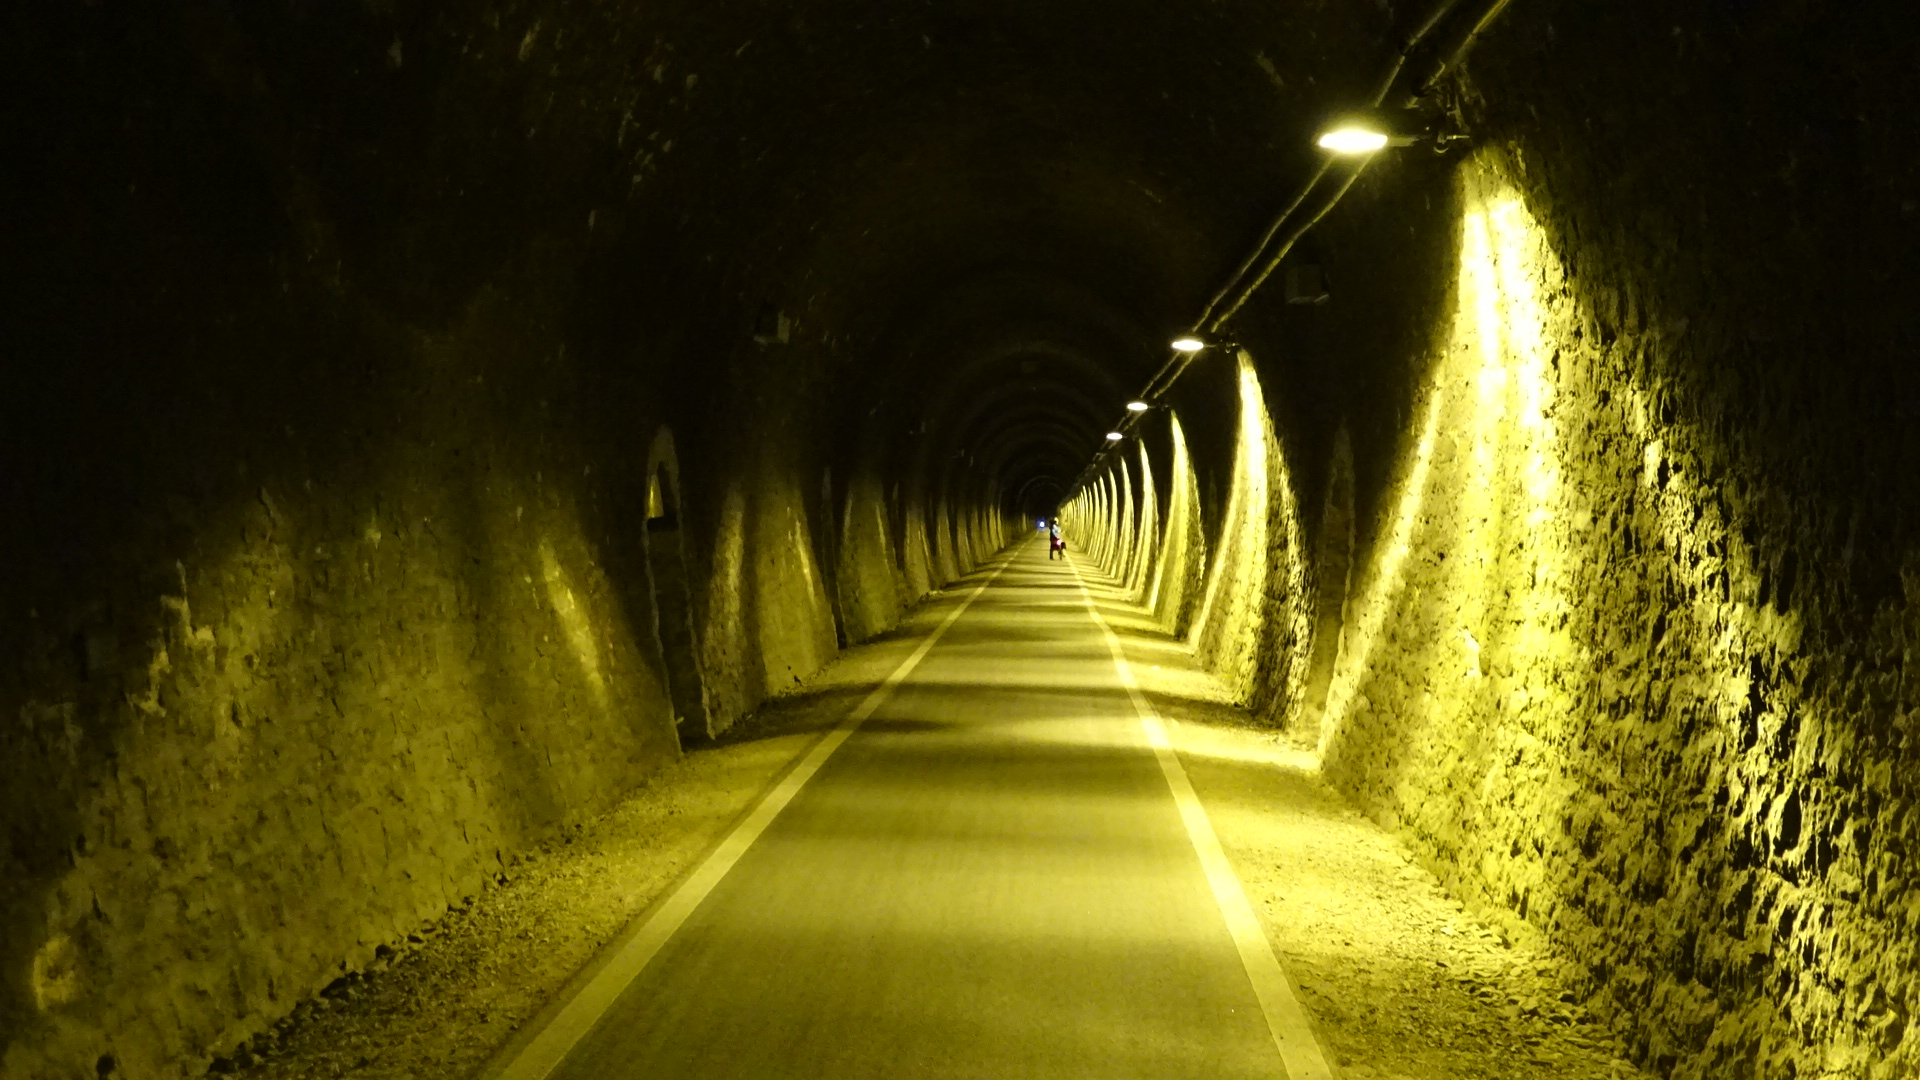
pixel 1114 436
pixel 1137 406
pixel 1352 139
pixel 1357 133
pixel 1188 344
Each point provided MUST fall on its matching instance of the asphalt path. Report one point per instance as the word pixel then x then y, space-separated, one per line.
pixel 989 878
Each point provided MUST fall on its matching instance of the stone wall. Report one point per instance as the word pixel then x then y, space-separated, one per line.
pixel 1613 670
pixel 314 688
pixel 1628 651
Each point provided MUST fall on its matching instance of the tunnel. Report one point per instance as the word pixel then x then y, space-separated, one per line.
pixel 460 457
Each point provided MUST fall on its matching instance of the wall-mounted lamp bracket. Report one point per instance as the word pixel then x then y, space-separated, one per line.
pixel 1363 131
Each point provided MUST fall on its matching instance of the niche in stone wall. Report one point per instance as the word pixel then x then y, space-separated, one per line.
pixel 897 521
pixel 673 594
pixel 826 554
pixel 1333 575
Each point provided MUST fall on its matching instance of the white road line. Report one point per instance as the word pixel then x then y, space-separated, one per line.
pixel 540 1056
pixel 1300 1050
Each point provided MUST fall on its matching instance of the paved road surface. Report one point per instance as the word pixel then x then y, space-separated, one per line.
pixel 990 879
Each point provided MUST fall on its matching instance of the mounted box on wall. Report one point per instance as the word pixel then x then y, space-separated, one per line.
pixel 1306 284
pixel 771 325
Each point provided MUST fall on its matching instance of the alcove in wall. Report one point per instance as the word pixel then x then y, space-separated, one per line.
pixel 673 594
pixel 1333 574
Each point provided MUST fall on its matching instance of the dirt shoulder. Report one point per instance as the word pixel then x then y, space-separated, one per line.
pixel 1402 981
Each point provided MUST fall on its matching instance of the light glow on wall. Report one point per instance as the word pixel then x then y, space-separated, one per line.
pixel 1147 543
pixel 1182 552
pixel 56 973
pixel 1469 586
pixel 575 623
pixel 1379 592
pixel 1227 630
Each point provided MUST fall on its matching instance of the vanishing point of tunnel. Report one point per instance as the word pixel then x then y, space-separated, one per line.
pixel 1362 539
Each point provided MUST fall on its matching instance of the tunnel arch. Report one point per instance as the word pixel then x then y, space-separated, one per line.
pixel 992 358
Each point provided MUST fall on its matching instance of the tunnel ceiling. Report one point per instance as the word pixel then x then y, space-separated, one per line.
pixel 999 211
pixel 1008 208
pixel 985 218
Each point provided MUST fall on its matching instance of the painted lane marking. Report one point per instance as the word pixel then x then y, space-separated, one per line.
pixel 547 1049
pixel 1300 1049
